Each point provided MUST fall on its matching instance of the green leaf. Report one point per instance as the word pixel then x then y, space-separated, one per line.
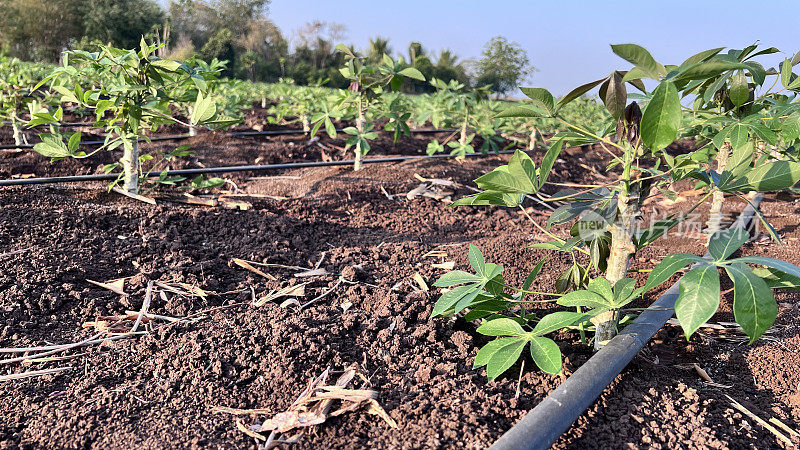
pixel 577 92
pixel 602 287
pixel 519 111
pixel 786 72
pixel 776 279
pixel 783 266
pixel 556 321
pixel 667 267
pixel 698 298
pixel 518 177
pixel 754 306
pixel 501 327
pixel 499 355
pixel 623 290
pixel 662 117
pixel 702 56
pixel 411 72
pixel 533 274
pixel 166 64
pixel 772 176
pixel 548 161
pixel 584 298
pixel 476 259
pixel 74 141
pixel 546 354
pixel 456 277
pixel 723 243
pixel 204 109
pixel 449 299
pixel 489 198
pixel 738 92
pixel 52 146
pixel 541 98
pixel 640 58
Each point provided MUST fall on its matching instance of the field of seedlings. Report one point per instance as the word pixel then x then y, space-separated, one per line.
pixel 191 261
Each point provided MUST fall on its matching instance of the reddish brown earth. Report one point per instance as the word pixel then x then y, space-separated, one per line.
pixel 159 390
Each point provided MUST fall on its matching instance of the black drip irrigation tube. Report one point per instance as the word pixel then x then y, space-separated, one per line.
pixel 176 137
pixel 228 169
pixel 545 423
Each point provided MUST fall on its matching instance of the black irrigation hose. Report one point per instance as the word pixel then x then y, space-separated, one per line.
pixel 543 425
pixel 251 168
pixel 176 137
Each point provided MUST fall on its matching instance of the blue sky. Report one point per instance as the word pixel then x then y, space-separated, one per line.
pixel 566 40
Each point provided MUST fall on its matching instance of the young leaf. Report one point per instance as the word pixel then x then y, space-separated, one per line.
pixel 754 306
pixel 698 299
pixel 662 117
pixel 546 354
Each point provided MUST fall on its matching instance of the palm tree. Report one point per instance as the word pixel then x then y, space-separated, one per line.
pixel 377 48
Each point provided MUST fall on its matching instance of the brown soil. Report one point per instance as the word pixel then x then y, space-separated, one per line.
pixel 158 390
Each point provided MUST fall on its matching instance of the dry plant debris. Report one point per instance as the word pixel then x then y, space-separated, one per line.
pixel 314 406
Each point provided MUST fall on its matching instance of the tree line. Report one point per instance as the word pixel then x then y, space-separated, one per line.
pixel 240 32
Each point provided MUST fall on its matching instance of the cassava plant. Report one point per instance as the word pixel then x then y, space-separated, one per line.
pixel 606 236
pixel 367 83
pixel 733 114
pixel 135 92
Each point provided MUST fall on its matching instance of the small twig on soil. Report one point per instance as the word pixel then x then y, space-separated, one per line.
pixel 148 296
pixel 141 198
pixel 155 316
pixel 33 373
pixel 519 381
pixel 784 426
pixel 239 411
pixel 28 362
pixel 321 296
pixel 15 252
pixel 761 421
pixel 91 341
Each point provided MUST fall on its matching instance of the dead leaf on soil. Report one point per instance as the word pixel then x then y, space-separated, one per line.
pixel 116 286
pixel 423 286
pixel 313 407
pixel 247 265
pixel 298 290
pixel 447 265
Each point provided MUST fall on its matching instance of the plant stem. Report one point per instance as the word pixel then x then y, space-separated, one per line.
pixel 130 166
pixel 17 132
pixel 360 120
pixel 622 247
pixel 532 140
pixel 718 198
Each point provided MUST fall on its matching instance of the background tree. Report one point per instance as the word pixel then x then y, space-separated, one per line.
pixel 121 23
pixel 448 67
pixel 39 29
pixel 503 65
pixel 378 47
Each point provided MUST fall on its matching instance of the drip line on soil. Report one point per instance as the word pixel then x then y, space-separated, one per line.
pixel 176 137
pixel 545 423
pixel 228 169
